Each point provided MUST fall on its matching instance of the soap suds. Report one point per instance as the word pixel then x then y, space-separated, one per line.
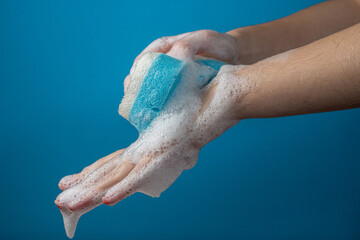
pixel 169 146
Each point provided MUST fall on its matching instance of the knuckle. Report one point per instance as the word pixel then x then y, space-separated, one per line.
pixel 181 44
pixel 206 33
pixel 155 42
pixel 163 39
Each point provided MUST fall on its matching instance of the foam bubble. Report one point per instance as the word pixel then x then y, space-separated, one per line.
pixel 171 143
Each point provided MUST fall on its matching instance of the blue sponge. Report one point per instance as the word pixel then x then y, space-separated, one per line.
pixel 153 80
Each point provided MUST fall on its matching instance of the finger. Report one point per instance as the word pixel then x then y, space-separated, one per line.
pixel 95 191
pixel 162 45
pixel 123 192
pixel 116 175
pixel 182 49
pixel 159 45
pixel 126 83
pixel 93 195
pixel 58 204
pixel 84 194
pixel 85 200
pixel 216 45
pixel 68 181
pixel 63 198
pixel 189 45
pixel 127 186
pixel 206 43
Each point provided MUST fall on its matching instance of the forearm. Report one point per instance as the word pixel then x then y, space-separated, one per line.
pixel 261 41
pixel 322 76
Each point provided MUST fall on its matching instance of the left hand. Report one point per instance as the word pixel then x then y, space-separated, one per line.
pixel 207 43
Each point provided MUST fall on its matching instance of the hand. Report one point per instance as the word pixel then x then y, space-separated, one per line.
pixel 123 173
pixel 206 43
pixel 156 159
pixel 168 147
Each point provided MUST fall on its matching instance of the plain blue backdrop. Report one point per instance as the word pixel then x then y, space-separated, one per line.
pixel 62 64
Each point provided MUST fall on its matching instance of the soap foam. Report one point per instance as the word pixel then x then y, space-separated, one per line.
pixel 170 144
pixel 142 66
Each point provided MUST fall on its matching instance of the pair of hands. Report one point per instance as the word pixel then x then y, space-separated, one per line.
pixel 152 170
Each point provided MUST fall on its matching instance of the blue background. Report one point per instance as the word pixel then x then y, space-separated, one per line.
pixel 62 64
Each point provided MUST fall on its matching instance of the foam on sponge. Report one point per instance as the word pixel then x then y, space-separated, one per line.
pixel 153 81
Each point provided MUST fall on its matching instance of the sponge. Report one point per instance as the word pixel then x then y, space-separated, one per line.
pixel 154 79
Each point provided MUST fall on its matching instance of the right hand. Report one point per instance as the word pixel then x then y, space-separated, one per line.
pixel 151 169
pixel 206 43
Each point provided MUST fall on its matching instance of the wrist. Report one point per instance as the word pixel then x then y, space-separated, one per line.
pixel 270 86
pixel 245 42
pixel 249 79
pixel 245 83
pixel 222 102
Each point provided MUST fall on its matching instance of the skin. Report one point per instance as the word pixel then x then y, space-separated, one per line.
pixel 321 74
pixel 319 77
pixel 261 41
